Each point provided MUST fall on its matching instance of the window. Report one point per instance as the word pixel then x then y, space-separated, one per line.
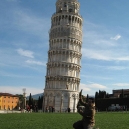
pixel 70 10
pixel 65 5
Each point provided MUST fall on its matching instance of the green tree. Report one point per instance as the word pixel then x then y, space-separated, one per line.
pixel 87 98
pixel 41 104
pixel 30 100
pixel 21 99
pixel 122 94
pixel 96 95
pixel 39 100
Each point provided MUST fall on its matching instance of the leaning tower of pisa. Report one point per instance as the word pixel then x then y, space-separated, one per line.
pixel 64 56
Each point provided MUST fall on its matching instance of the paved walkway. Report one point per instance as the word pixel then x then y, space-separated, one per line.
pixel 8 111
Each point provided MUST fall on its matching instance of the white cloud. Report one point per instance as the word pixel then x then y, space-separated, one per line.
pixel 96 77
pixel 117 67
pixel 95 54
pixel 91 88
pixel 97 86
pixel 18 90
pixel 84 87
pixel 98 46
pixel 121 84
pixel 116 37
pixel 25 53
pixel 106 55
pixel 33 62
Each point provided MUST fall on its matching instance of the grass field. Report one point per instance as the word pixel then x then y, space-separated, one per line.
pixel 116 120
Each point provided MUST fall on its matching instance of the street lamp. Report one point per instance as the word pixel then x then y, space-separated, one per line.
pixel 24 97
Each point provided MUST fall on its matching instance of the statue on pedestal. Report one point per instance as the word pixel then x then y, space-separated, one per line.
pixel 87 111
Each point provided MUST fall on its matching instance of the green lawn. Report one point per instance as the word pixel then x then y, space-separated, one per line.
pixel 116 120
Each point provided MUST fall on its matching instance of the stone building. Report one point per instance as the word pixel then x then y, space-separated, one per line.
pixel 117 93
pixel 8 101
pixel 64 56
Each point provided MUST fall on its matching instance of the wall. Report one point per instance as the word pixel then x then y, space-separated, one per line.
pixel 8 102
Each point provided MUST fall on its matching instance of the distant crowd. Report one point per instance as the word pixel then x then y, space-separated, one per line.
pixel 35 109
pixel 52 109
pixel 29 108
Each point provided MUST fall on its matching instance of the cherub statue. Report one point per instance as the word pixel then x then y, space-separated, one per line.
pixel 87 113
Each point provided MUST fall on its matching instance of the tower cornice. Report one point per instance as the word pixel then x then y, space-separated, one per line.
pixel 67 13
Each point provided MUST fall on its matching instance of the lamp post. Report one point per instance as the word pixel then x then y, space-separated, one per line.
pixel 24 97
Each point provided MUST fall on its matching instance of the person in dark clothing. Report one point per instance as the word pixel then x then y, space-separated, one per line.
pixel 87 113
pixel 52 109
pixel 69 109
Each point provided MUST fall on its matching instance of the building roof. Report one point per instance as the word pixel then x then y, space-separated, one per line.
pixel 7 94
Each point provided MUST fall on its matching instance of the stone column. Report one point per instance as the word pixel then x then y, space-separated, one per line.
pixel 69 101
pixel 54 101
pixel 25 101
pixel 48 101
pixel 61 103
pixel 74 107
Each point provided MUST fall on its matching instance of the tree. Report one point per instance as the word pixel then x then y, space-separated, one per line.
pixel 87 98
pixel 39 101
pixel 41 104
pixel 30 100
pixel 107 95
pixel 122 94
pixel 21 99
pixel 96 95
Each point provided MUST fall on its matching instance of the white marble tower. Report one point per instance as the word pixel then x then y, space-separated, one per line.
pixel 64 56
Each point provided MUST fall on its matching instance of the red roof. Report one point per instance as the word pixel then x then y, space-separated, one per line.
pixel 7 94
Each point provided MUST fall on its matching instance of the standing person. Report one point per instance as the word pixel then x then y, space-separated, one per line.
pixel 28 108
pixel 52 109
pixel 66 110
pixel 46 109
pixel 87 114
pixel 36 108
pixel 69 110
pixel 31 108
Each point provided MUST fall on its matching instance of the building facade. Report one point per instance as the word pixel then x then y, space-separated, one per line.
pixel 8 101
pixel 117 93
pixel 64 57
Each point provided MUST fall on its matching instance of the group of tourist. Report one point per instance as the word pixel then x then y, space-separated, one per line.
pixel 29 108
pixel 49 109
pixel 52 109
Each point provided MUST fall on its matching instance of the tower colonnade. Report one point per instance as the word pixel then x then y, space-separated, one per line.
pixel 64 57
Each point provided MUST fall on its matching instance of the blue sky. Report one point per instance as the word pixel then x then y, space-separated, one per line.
pixel 24 42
